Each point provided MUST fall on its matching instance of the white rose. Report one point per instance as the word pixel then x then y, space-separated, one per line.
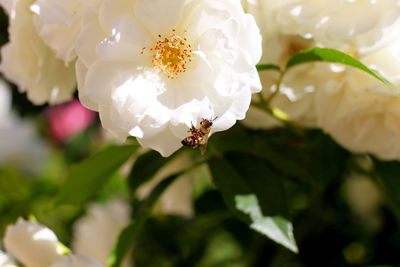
pixel 360 112
pixel 76 261
pixel 5 260
pixel 96 233
pixel 152 88
pixel 58 22
pixel 32 244
pixel 29 63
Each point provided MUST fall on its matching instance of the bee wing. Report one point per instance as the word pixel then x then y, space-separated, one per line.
pixel 204 146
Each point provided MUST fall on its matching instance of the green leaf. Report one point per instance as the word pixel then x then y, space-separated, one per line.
pixel 276 228
pixel 229 183
pixel 263 181
pixel 145 167
pixel 333 56
pixel 278 147
pixel 131 232
pixel 87 177
pixel 327 164
pixel 232 140
pixel 267 67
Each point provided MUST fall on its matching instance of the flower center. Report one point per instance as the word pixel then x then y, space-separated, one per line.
pixel 171 54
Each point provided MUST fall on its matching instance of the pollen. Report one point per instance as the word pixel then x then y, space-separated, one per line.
pixel 171 54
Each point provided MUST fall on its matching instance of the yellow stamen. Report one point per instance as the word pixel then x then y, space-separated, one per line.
pixel 171 54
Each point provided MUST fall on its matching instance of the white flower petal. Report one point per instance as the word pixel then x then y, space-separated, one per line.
pixel 103 77
pixel 81 72
pixel 5 260
pixel 76 261
pixel 159 16
pixel 110 10
pixel 124 44
pixel 5 99
pixel 109 220
pixel 7 5
pixel 164 142
pixel 91 34
pixel 31 243
pixel 108 123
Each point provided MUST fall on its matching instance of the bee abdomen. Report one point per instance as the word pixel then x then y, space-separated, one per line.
pixel 191 141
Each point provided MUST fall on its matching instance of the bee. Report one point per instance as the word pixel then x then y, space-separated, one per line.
pixel 199 135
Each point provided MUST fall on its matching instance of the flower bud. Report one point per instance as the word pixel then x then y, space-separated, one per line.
pixel 32 244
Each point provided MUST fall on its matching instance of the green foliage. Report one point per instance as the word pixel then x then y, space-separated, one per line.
pixel 86 178
pixel 277 228
pixel 268 67
pixel 229 184
pixel 145 167
pixel 258 165
pixel 130 232
pixel 333 56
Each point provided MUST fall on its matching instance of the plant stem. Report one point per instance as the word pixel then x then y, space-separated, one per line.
pixel 278 87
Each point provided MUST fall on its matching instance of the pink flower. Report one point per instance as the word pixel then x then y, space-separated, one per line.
pixel 67 120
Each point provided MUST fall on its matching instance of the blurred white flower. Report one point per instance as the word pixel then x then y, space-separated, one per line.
pixel 360 112
pixel 164 64
pixel 32 244
pixel 5 100
pixel 76 261
pixel 297 90
pixel 58 23
pixel 29 63
pixel 5 260
pixel 7 5
pixel 296 94
pixel 364 198
pixel 294 25
pixel 178 198
pixel 338 23
pixel 20 145
pixel 96 233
